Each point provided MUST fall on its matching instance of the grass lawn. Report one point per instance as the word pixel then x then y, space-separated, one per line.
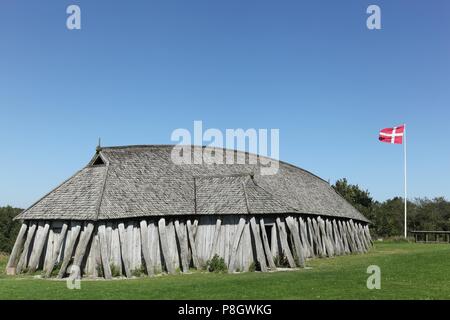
pixel 408 271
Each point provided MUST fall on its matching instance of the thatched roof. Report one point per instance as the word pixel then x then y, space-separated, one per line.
pixel 138 181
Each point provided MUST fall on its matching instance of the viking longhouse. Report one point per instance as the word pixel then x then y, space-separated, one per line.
pixel 132 210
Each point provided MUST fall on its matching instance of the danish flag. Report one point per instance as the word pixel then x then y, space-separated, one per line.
pixel 392 135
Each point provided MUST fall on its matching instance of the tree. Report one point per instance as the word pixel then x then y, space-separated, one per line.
pixel 359 198
pixel 8 228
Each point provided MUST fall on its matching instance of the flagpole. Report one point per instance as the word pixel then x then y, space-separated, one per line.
pixel 406 197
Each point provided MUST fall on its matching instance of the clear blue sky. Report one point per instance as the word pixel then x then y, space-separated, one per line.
pixel 137 70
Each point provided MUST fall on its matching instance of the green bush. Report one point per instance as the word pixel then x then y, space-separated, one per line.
pixel 216 264
pixel 138 272
pixel 115 270
pixel 281 261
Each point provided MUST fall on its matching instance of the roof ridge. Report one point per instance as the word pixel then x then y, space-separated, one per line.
pixel 162 146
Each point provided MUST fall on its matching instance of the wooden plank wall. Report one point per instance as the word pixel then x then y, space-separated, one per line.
pixel 176 244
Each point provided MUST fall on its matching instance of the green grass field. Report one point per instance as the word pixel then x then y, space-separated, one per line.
pixel 408 271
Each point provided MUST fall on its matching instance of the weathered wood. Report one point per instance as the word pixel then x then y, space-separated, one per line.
pixel 274 241
pixel 309 231
pixel 343 232
pixel 325 240
pixel 265 241
pixel 82 247
pixel 14 257
pixel 172 244
pixel 124 249
pixel 339 248
pixel 58 245
pixel 146 248
pixel 320 247
pixel 101 230
pixel 165 245
pixel 48 254
pixel 293 227
pixel 284 242
pixel 304 238
pixel 329 235
pixel 191 236
pixel 75 231
pixel 216 237
pixel 116 256
pixel 246 250
pixel 236 240
pixel 180 230
pixel 26 248
pixel 155 251
pixel 97 255
pixel 258 244
pixel 38 247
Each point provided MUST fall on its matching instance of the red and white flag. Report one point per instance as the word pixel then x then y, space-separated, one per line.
pixel 392 135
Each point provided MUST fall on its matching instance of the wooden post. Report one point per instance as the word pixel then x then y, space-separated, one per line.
pixel 70 244
pixel 165 246
pixel 58 246
pixel 12 262
pixel 320 247
pixel 304 238
pixel 191 236
pixel 101 230
pixel 216 237
pixel 180 230
pixel 83 244
pixel 124 249
pixel 284 242
pixel 155 250
pixel 146 248
pixel 38 247
pixel 292 225
pixel 259 247
pixel 236 240
pixel 26 248
pixel 274 241
pixel 266 245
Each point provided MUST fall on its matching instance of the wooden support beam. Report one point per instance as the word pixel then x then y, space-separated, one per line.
pixel 38 247
pixel 274 247
pixel 236 240
pixel 320 246
pixel 70 244
pixel 258 244
pixel 216 237
pixel 146 248
pixel 312 237
pixel 180 230
pixel 82 247
pixel 58 246
pixel 329 236
pixel 14 257
pixel 284 242
pixel 265 241
pixel 293 227
pixel 155 250
pixel 101 230
pixel 303 237
pixel 165 246
pixel 124 249
pixel 26 248
pixel 191 236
